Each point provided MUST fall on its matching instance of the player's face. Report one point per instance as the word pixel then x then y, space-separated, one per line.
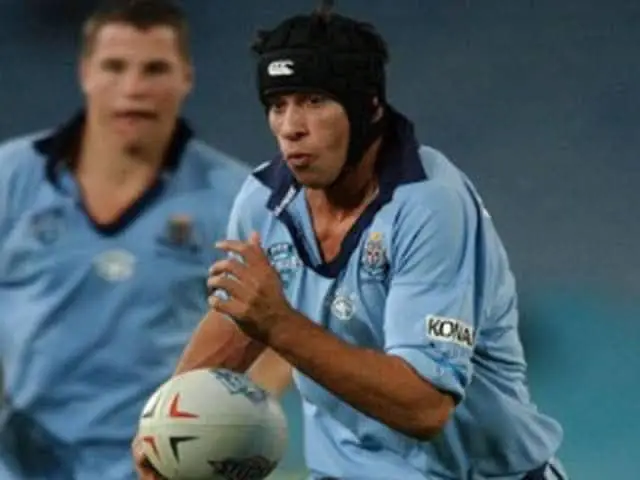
pixel 135 82
pixel 312 131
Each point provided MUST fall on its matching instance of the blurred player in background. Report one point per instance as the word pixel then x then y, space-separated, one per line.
pixel 369 262
pixel 106 232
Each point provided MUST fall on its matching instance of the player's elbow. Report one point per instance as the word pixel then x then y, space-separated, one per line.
pixel 427 429
pixel 429 419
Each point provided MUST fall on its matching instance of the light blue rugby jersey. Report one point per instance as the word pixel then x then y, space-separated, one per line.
pixel 422 275
pixel 94 317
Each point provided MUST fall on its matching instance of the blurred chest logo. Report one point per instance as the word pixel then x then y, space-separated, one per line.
pixel 47 226
pixel 180 233
pixel 115 265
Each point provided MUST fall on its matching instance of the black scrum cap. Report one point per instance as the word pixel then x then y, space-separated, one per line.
pixel 331 54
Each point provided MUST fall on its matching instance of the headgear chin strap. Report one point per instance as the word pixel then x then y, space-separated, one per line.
pixel 336 56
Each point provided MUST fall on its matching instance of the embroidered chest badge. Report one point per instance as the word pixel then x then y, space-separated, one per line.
pixel 374 259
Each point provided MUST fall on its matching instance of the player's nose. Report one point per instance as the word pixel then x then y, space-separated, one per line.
pixel 134 85
pixel 293 125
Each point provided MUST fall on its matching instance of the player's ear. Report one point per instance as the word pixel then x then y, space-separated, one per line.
pixel 83 73
pixel 189 78
pixel 379 109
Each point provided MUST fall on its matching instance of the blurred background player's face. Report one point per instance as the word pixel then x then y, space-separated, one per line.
pixel 312 131
pixel 135 82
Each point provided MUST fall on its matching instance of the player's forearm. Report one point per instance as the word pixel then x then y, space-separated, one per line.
pixel 271 372
pixel 219 343
pixel 382 386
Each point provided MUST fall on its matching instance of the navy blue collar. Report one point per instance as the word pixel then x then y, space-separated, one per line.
pixel 398 163
pixel 60 147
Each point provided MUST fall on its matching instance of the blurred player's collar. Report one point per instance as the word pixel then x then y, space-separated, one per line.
pixel 399 164
pixel 59 146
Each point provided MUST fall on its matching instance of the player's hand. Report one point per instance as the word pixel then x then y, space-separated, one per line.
pixel 144 469
pixel 255 299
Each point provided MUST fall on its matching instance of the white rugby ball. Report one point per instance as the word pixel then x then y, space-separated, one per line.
pixel 213 425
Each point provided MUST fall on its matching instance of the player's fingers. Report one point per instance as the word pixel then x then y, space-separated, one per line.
pixel 231 307
pixel 137 450
pixel 144 470
pixel 235 246
pixel 230 266
pixel 249 251
pixel 234 288
pixel 254 239
pixel 257 252
pixel 149 472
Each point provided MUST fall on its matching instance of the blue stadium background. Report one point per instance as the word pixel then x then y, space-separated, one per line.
pixel 537 100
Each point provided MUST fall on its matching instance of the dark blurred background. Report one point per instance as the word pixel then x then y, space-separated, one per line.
pixel 537 101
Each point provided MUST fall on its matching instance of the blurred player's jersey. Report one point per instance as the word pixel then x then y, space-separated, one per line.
pixel 424 276
pixel 95 317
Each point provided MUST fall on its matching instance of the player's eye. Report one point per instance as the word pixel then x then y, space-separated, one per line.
pixel 157 67
pixel 113 65
pixel 276 105
pixel 316 100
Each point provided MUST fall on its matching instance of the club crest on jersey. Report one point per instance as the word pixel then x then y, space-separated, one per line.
pixel 179 233
pixel 243 468
pixel 343 306
pixel 115 265
pixel 284 259
pixel 47 226
pixel 374 257
pixel 451 330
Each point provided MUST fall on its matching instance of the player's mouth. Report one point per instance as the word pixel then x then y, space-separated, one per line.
pixel 135 115
pixel 299 160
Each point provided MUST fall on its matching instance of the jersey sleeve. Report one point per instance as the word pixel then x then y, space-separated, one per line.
pixel 4 207
pixel 5 194
pixel 240 224
pixel 14 185
pixel 429 314
pixel 237 224
pixel 226 176
pixel 245 209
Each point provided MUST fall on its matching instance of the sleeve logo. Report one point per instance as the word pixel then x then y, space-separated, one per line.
pixel 450 330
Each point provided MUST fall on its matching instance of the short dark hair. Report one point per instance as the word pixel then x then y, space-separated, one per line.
pixel 141 14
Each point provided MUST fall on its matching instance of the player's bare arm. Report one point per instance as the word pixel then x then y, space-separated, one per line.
pixel 271 372
pixel 219 343
pixel 382 386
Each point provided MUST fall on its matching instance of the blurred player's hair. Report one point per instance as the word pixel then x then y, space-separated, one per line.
pixel 325 8
pixel 141 14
